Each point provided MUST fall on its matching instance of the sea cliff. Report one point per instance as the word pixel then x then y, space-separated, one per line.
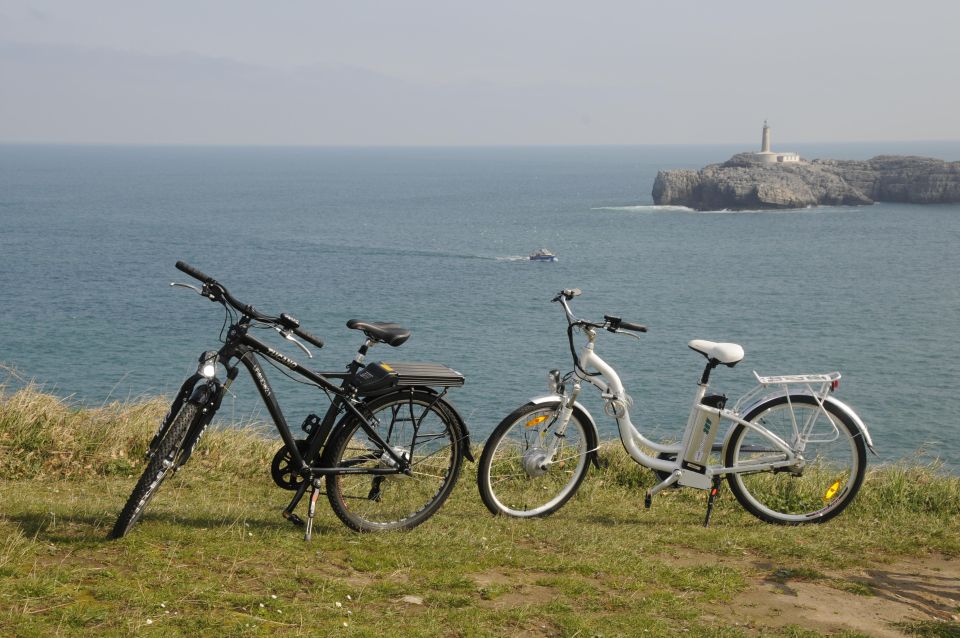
pixel 744 183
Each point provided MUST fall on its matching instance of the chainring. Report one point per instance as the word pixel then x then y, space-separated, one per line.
pixel 284 474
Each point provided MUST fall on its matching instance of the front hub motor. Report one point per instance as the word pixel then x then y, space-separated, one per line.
pixel 535 462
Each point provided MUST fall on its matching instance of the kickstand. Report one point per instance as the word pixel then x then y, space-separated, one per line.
pixel 312 509
pixel 714 489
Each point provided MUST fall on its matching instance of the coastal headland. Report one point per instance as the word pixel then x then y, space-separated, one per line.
pixel 746 182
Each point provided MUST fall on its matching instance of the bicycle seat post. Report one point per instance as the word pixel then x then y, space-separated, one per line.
pixel 362 352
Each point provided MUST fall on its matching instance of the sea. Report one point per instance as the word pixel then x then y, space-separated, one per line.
pixel 437 239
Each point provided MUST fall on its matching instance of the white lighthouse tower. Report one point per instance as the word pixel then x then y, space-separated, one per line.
pixel 767 156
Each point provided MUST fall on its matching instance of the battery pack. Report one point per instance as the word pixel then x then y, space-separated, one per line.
pixel 378 378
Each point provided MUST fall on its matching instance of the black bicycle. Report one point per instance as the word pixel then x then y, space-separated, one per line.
pixel 389 446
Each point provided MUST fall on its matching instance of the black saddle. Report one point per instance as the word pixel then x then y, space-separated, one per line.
pixel 392 334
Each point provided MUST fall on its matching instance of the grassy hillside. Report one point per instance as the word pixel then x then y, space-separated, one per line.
pixel 212 556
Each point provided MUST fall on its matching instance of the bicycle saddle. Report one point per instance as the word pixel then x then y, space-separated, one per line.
pixel 729 354
pixel 392 334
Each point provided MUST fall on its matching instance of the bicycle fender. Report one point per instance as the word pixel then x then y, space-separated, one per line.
pixel 861 426
pixel 593 435
pixel 840 405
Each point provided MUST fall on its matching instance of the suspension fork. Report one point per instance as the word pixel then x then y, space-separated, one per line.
pixel 182 395
pixel 563 420
pixel 209 409
pixel 567 410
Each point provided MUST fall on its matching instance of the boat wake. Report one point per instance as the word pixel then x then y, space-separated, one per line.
pixel 648 208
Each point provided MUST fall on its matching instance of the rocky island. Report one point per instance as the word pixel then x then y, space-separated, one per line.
pixel 768 180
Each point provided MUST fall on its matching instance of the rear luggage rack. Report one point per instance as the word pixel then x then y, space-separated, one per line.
pixel 829 377
pixel 380 377
pixel 816 385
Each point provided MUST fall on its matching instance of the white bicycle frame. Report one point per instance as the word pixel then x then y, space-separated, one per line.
pixel 617 405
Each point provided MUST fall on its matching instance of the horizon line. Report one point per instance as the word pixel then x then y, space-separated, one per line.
pixel 453 146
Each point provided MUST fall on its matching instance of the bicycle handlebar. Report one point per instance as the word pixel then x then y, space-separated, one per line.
pixel 613 324
pixel 306 336
pixel 616 323
pixel 193 272
pixel 218 292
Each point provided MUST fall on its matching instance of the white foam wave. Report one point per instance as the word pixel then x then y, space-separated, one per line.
pixel 647 209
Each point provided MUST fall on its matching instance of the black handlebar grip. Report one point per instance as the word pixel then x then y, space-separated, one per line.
pixel 288 321
pixel 303 334
pixel 636 327
pixel 193 272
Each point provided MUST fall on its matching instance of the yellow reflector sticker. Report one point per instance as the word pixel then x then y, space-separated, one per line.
pixel 537 421
pixel 386 367
pixel 831 491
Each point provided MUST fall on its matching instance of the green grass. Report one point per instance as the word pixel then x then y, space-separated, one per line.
pixel 212 556
pixel 931 629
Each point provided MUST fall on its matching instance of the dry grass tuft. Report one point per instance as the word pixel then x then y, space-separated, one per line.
pixel 42 436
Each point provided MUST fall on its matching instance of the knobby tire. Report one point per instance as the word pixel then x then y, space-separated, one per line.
pixel 159 466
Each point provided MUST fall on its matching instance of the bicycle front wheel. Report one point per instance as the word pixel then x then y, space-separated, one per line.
pixel 519 475
pixel 826 475
pixel 417 426
pixel 163 461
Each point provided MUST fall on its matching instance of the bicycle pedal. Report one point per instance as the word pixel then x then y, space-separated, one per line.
pixel 293 518
pixel 376 489
pixel 647 501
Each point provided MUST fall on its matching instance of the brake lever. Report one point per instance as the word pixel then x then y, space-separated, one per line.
pixel 628 333
pixel 289 337
pixel 190 286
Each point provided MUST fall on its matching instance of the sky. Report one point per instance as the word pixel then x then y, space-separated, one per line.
pixel 456 73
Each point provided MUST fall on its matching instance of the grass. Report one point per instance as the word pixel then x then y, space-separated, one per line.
pixel 212 555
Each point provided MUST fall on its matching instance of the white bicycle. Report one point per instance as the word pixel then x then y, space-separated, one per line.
pixel 792 453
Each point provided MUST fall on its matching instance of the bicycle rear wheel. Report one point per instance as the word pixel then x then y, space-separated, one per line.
pixel 417 426
pixel 517 478
pixel 831 461
pixel 163 460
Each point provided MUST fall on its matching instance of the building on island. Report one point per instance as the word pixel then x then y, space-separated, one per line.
pixel 767 156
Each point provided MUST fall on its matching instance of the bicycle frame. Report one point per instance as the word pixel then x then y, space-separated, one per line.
pixel 241 346
pixel 371 406
pixel 617 405
pixel 807 448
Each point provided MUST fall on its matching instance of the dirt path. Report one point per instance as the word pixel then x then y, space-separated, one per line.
pixel 868 601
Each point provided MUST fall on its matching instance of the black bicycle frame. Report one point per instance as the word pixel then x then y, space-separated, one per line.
pixel 243 347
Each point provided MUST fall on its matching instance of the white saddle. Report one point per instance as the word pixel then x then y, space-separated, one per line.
pixel 729 354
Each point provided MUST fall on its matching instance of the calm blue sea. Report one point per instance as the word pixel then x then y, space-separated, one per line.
pixel 435 238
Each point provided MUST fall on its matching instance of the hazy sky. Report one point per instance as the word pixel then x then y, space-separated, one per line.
pixel 489 72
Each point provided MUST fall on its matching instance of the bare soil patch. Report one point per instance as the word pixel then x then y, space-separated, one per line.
pixel 867 600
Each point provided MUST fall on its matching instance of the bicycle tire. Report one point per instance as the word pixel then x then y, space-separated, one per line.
pixel 510 479
pixel 416 424
pixel 818 488
pixel 160 465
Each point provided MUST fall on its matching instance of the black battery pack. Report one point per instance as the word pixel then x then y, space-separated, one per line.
pixel 380 377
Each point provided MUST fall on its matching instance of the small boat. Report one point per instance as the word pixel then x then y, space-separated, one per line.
pixel 542 255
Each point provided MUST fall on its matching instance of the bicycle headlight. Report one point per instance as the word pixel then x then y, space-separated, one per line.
pixel 208 364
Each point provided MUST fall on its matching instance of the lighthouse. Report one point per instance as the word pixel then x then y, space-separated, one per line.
pixel 767 156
